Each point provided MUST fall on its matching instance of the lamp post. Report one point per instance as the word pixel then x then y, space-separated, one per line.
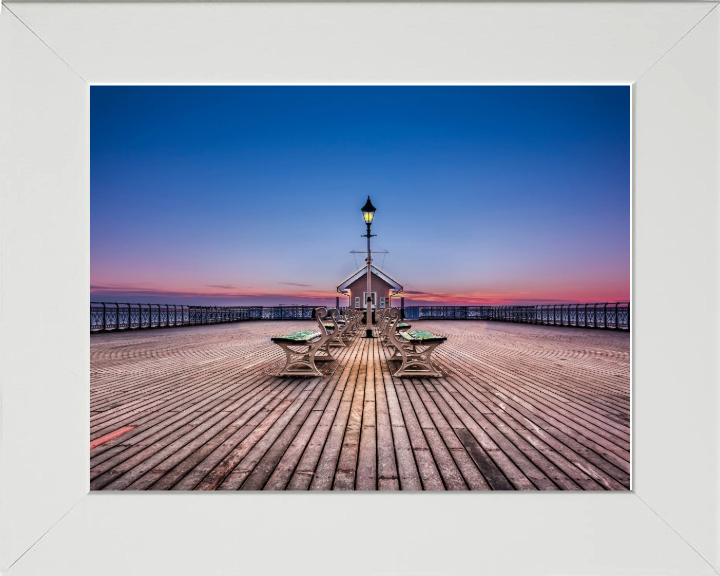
pixel 368 214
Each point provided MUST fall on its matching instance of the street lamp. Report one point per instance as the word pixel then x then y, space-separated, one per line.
pixel 368 215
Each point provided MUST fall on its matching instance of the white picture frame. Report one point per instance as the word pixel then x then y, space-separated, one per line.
pixel 50 53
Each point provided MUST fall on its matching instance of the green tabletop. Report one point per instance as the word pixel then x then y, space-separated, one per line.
pixel 301 337
pixel 421 336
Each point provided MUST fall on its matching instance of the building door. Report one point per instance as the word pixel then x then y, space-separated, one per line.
pixel 374 299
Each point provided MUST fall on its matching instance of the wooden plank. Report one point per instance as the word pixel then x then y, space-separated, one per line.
pixel 110 436
pixel 427 467
pixel 452 478
pixel 517 407
pixel 387 465
pixel 290 421
pixel 306 468
pixel 250 435
pixel 366 477
pixel 290 460
pixel 350 448
pixel 161 433
pixel 144 457
pixel 469 470
pixel 407 468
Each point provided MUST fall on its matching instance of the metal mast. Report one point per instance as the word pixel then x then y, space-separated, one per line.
pixel 368 214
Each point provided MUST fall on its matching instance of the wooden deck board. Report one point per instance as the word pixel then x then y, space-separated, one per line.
pixel 518 407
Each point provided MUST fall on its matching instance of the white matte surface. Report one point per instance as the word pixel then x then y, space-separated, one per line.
pixel 361 43
pixel 44 289
pixel 675 424
pixel 411 534
pixel 669 527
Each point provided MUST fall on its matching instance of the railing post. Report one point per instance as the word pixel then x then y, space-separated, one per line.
pixel 104 318
pixel 117 316
pixel 617 318
pixel 605 314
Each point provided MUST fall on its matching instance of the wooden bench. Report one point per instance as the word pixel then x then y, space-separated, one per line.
pixel 352 318
pixel 413 348
pixel 339 329
pixel 304 348
pixel 384 324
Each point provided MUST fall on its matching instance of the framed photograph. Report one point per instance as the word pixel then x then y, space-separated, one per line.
pixel 93 91
pixel 503 360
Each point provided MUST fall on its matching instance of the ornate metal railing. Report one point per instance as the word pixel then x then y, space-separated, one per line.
pixel 611 315
pixel 106 316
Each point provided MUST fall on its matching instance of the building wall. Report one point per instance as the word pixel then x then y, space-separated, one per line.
pixel 379 286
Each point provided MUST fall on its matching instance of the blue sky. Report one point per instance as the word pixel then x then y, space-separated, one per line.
pixel 252 195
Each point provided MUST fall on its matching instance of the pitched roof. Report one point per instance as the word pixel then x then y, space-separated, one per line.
pixel 360 273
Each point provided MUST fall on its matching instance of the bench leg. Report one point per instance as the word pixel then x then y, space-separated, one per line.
pixel 417 362
pixel 298 363
pixel 323 353
pixel 336 340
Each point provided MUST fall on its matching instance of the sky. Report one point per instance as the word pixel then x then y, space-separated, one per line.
pixel 251 195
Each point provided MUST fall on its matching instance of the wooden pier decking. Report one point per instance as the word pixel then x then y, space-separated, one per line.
pixel 519 407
